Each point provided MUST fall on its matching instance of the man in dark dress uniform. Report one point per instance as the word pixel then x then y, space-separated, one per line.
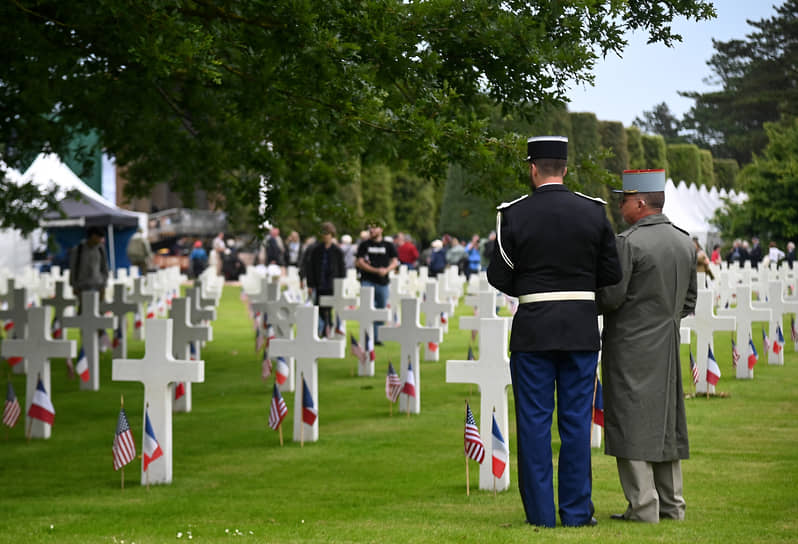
pixel 554 249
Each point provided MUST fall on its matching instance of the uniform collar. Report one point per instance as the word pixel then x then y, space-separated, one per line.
pixel 551 187
pixel 656 219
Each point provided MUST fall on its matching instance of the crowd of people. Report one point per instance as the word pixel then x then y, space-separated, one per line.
pixel 742 251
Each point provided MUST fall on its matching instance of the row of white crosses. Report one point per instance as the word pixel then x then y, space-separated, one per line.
pixel 280 311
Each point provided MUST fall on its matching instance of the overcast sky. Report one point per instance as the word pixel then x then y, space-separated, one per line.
pixel 650 74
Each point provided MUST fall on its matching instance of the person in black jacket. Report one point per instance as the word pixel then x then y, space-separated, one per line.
pixel 554 249
pixel 325 263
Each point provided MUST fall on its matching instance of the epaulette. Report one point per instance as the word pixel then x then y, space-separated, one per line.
pixel 680 229
pixel 595 199
pixel 504 205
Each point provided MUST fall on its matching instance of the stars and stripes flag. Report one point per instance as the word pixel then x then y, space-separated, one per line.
pixel 266 365
pixel 151 449
pixel 694 367
pixel 124 448
pixel 277 410
pixel 309 412
pixel 369 348
pixel 354 348
pixel 765 341
pixel 56 330
pixel 282 370
pixel 713 370
pixel 83 365
pixel 598 405
pixel 41 407
pixel 474 447
pixel 735 354
pixel 260 337
pixel 793 331
pixel 11 410
pixel 778 342
pixel 753 356
pixel 137 320
pixel 500 451
pixel 409 387
pixel 393 385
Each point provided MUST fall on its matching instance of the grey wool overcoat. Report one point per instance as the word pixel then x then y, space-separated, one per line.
pixel 644 417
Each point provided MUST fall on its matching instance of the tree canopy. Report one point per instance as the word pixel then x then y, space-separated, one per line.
pixel 759 84
pixel 221 96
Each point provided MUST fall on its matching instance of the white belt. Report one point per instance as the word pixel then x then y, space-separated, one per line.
pixel 557 295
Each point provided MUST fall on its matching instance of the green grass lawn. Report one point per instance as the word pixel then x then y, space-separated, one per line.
pixel 371 477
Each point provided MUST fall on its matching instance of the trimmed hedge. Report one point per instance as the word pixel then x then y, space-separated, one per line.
pixel 613 137
pixel 707 168
pixel 655 152
pixel 634 149
pixel 726 171
pixel 684 163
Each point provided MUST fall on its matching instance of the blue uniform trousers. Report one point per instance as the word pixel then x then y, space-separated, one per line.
pixel 535 375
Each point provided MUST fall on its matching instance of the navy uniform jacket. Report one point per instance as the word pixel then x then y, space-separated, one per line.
pixel 554 240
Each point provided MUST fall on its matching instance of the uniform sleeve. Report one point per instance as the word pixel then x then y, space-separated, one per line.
pixel 611 298
pixel 500 269
pixel 609 268
pixel 692 291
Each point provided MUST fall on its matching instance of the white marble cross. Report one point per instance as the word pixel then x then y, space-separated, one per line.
pixel 366 314
pixel 779 307
pixel 36 349
pixel 90 322
pixel 199 311
pixel 184 333
pixel 745 314
pixel 59 301
pixel 485 307
pixel 281 316
pixel 491 373
pixel 339 300
pixel 157 370
pixel 704 323
pixel 410 334
pixel 307 348
pixel 120 306
pixel 17 311
pixel 143 298
pixel 432 308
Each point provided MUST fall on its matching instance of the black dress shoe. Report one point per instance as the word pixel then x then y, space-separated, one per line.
pixel 620 517
pixel 592 522
pixel 378 343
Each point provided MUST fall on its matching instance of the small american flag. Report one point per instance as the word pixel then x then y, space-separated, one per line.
pixel 266 365
pixel 278 409
pixel 694 367
pixel 393 385
pixel 765 341
pixel 11 410
pixel 474 447
pixel 355 348
pixel 124 446
pixel 793 332
pixel 735 354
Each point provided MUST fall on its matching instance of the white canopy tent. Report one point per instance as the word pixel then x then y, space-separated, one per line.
pixel 691 208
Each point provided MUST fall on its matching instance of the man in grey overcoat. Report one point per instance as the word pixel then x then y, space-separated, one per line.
pixel 644 418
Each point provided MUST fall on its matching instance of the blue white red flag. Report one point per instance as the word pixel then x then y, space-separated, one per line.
pixel 8 325
pixel 137 320
pixel 11 409
pixel 339 327
pixel 282 370
pixel 41 407
pixel 152 450
pixel 713 370
pixel 55 329
pixel 309 413
pixel 192 351
pixel 474 447
pixel 694 367
pixel 598 405
pixel 180 390
pixel 409 387
pixel 778 342
pixel 432 346
pixel 444 318
pixel 500 451
pixel 117 337
pixel 82 367
pixel 753 356
pixel 277 410
pixel 369 348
